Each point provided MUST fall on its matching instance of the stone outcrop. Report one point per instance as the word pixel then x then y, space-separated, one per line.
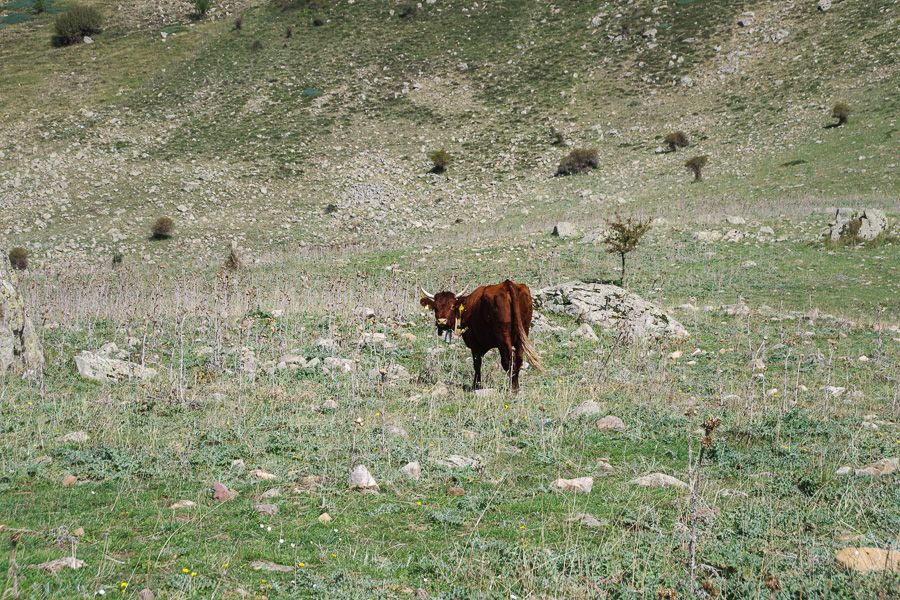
pixel 20 347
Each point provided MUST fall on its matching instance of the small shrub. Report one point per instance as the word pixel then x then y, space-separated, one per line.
pixel 841 112
pixel 408 10
pixel 623 237
pixel 233 261
pixel 18 258
pixel 440 159
pixel 577 161
pixel 676 140
pixel 238 23
pixel 39 7
pixel 201 7
pixel 331 209
pixel 695 165
pixel 117 259
pixel 162 228
pixel 256 46
pixel 289 32
pixel 73 25
pixel 318 21
pixel 557 137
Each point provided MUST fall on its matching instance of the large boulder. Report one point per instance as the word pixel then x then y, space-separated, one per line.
pixel 102 365
pixel 863 225
pixel 610 307
pixel 20 346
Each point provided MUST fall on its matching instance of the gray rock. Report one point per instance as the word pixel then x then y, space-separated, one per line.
pixel 582 485
pixel 824 5
pixel 338 365
pixel 98 366
pixel 75 437
pixel 391 375
pixel 455 461
pixel 585 332
pixel 413 470
pixel 611 308
pixel 868 223
pixel 20 346
pixel 611 423
pixel 588 407
pixel 659 480
pixel 361 479
pixel 707 237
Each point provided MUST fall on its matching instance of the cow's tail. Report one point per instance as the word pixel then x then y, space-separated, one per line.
pixel 533 358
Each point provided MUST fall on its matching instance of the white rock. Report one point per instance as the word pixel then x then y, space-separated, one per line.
pixel 564 230
pixel 586 332
pixel 658 480
pixel 455 461
pixel 75 437
pixel 611 423
pixel 361 479
pixel 588 407
pixel 20 345
pixel 582 485
pixel 413 470
pixel 98 367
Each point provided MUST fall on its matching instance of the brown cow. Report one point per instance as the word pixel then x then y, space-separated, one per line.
pixel 492 316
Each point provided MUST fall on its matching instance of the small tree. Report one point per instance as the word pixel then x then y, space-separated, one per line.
pixel 162 228
pixel 676 140
pixel 73 25
pixel 440 159
pixel 18 258
pixel 623 237
pixel 201 7
pixel 841 112
pixel 695 165
pixel 578 160
pixel 239 23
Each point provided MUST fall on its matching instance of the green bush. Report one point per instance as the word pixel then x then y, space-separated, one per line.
pixel 676 140
pixel 73 25
pixel 841 112
pixel 408 10
pixel 578 161
pixel 201 7
pixel 162 228
pixel 440 159
pixel 18 258
pixel 695 165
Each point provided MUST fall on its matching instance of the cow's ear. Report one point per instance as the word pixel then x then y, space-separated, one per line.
pixel 427 302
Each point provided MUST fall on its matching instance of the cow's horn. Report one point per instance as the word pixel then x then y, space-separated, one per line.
pixel 427 295
pixel 465 290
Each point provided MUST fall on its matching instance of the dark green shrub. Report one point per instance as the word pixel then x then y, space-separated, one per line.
pixel 117 258
pixel 841 112
pixel 39 7
pixel 73 25
pixel 318 21
pixel 695 165
pixel 408 10
pixel 18 258
pixel 577 161
pixel 676 140
pixel 256 46
pixel 162 228
pixel 440 159
pixel 289 32
pixel 238 23
pixel 331 209
pixel 557 137
pixel 201 7
pixel 623 237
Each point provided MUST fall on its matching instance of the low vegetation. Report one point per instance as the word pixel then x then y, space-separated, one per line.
pixel 676 140
pixel 841 112
pixel 201 8
pixel 695 165
pixel 78 22
pixel 440 160
pixel 577 161
pixel 18 258
pixel 163 228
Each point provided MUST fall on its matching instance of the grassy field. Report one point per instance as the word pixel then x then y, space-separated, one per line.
pixel 308 153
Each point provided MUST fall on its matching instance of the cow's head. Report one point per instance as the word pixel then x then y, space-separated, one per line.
pixel 446 307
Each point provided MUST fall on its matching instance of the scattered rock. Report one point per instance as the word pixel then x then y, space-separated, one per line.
pixel 439 391
pixel 586 520
pixel 55 566
pixel 852 224
pixel 735 220
pixel 456 491
pixel 611 423
pixel 834 391
pixel 99 366
pixel 867 560
pixel 308 482
pixel 361 479
pixel 338 365
pixel 885 466
pixel 391 375
pixel 75 437
pixel 146 594
pixel 291 361
pixel 265 565
pixel 844 471
pixel 455 461
pixel 659 480
pixel 183 504
pixel 413 470
pixel 580 484
pixel 262 475
pixel 824 5
pixel 78 532
pixel 394 431
pixel 221 492
pixel 610 307
pixel 485 393
pixel 325 518
pixel 585 332
pixel 269 510
pixel 20 345
pixel 588 407
pixel 604 468
pixel 69 481
pixel 707 237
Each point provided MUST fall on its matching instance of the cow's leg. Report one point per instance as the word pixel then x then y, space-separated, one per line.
pixel 476 362
pixel 506 357
pixel 517 366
